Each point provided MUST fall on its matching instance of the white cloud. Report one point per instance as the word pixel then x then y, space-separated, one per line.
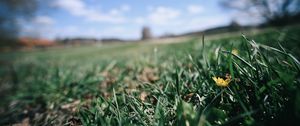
pixel 125 7
pixel 90 32
pixel 150 8
pixel 163 15
pixel 43 20
pixel 195 9
pixel 121 10
pixel 115 12
pixel 69 29
pixel 40 26
pixel 119 31
pixel 75 7
pixel 112 32
pixel 184 25
pixel 247 19
pixel 206 22
pixel 80 9
pixel 139 20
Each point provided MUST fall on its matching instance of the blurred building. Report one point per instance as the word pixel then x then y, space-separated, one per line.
pixel 35 42
pixel 146 33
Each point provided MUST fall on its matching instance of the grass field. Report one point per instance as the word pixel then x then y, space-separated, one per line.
pixel 157 84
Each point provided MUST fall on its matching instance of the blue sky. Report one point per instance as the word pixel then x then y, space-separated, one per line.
pixel 125 18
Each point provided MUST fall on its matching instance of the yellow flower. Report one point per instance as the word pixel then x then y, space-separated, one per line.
pixel 235 52
pixel 221 82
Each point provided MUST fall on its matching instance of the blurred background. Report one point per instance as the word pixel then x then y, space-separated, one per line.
pixel 43 23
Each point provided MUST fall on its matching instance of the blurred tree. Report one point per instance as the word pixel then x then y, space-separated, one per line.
pixel 234 25
pixel 11 13
pixel 274 12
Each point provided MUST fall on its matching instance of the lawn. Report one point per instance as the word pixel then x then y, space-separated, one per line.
pixel 250 79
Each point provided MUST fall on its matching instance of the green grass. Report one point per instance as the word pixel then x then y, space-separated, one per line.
pixel 156 84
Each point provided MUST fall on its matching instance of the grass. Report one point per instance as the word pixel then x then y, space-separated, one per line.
pixel 156 84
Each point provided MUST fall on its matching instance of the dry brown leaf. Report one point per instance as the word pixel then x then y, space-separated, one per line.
pixel 25 122
pixel 188 96
pixel 148 75
pixel 106 95
pixel 104 73
pixel 190 65
pixel 228 76
pixel 143 96
pixel 109 79
pixel 71 106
